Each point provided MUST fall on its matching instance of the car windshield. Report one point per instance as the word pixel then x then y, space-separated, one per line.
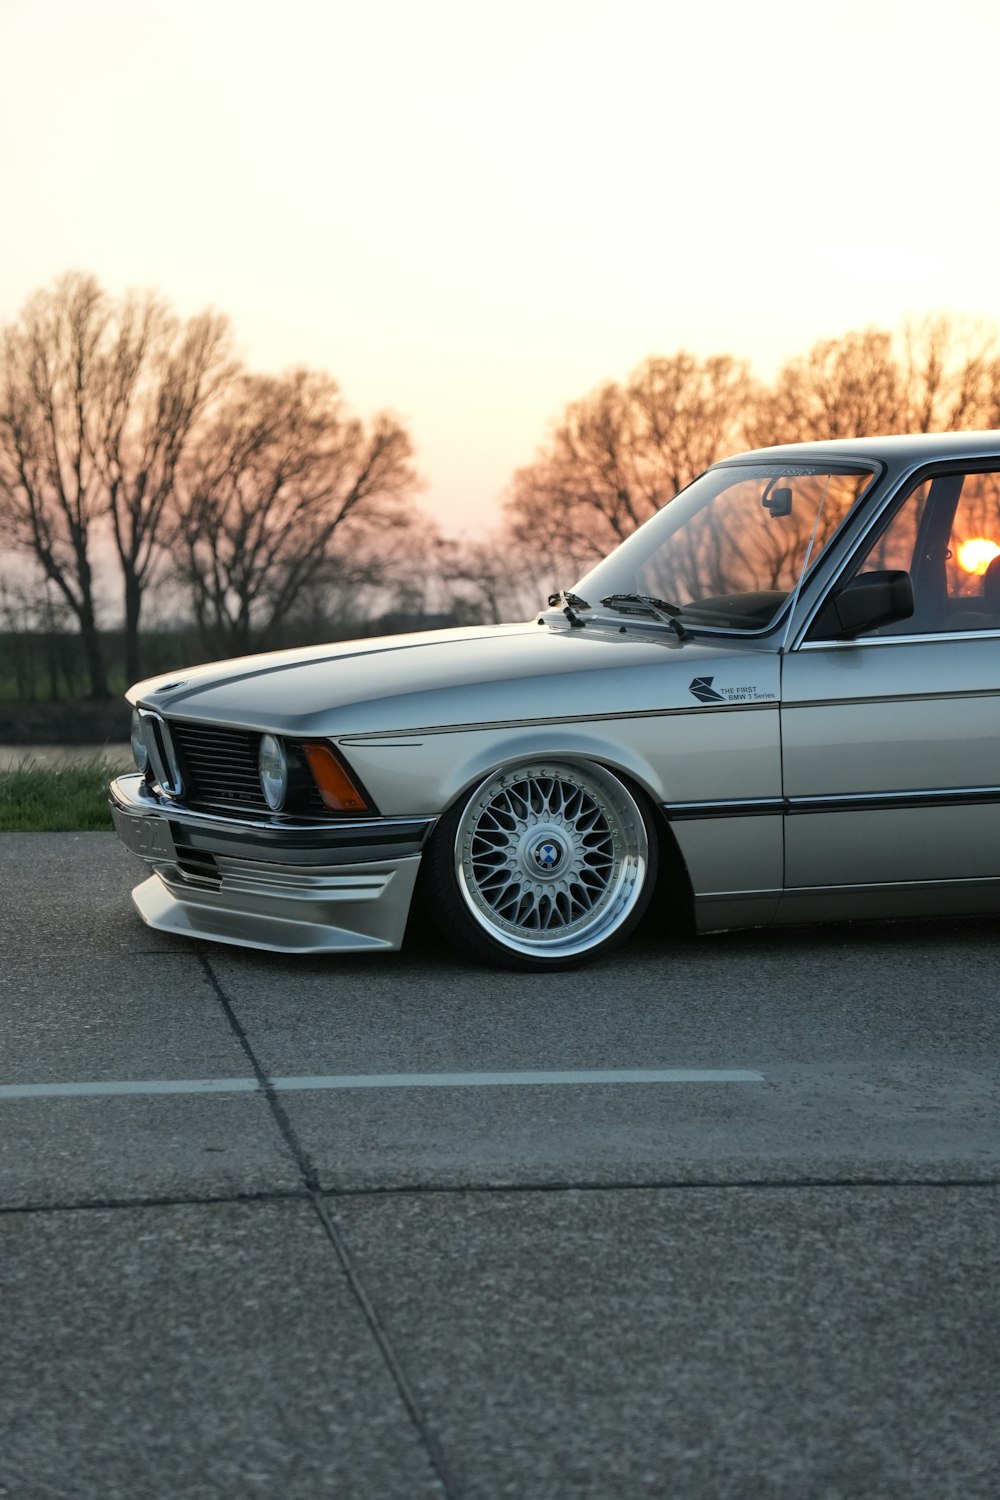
pixel 730 549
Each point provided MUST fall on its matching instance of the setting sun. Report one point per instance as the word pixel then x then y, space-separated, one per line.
pixel 976 555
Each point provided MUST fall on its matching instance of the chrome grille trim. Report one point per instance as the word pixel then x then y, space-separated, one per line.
pixel 162 755
pixel 222 770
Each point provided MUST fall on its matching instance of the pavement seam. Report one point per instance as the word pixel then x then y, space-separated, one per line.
pixel 284 1124
pixel 381 1336
pixel 751 1184
pixel 310 1179
pixel 428 1190
pixel 209 1200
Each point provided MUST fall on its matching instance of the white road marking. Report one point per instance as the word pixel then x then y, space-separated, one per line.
pixel 342 1081
pixel 517 1080
pixel 139 1086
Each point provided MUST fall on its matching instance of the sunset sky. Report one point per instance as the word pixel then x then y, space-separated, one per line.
pixel 473 213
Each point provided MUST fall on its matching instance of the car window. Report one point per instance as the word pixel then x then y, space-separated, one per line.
pixel 946 535
pixel 753 537
pixel 974 542
pixel 896 546
pixel 729 550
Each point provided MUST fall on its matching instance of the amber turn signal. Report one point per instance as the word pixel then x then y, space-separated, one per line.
pixel 338 791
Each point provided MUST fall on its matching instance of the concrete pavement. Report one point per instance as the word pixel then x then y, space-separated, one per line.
pixel 774 1288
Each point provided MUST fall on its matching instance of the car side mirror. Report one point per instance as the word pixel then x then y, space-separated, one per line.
pixel 867 601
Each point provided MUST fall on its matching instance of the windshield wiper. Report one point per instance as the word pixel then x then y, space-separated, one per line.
pixel 645 604
pixel 569 604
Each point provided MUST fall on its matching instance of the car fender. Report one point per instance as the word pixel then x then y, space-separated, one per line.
pixel 676 759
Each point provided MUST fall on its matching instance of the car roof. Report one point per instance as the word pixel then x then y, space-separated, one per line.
pixel 898 449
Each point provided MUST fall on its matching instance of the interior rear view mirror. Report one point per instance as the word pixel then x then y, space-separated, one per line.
pixel 778 500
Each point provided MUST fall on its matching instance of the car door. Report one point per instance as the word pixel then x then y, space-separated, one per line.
pixel 891 741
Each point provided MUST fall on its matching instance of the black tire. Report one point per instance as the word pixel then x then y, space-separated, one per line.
pixel 544 865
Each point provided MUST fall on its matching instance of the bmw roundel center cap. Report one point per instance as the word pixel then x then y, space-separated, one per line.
pixel 547 854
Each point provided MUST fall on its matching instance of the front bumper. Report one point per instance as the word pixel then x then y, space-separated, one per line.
pixel 269 883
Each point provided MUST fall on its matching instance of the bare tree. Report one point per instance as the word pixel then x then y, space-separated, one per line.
pixel 97 400
pixel 938 374
pixel 950 371
pixel 618 455
pixel 279 483
pixel 991 397
pixel 499 577
pixel 384 568
pixel 693 412
pixel 38 630
pixel 157 376
pixel 51 487
pixel 846 387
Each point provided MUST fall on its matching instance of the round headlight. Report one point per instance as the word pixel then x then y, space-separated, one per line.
pixel 273 765
pixel 139 752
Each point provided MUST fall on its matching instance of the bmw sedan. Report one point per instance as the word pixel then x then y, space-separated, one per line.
pixel 777 702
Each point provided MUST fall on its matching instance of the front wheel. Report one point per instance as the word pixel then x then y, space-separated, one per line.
pixel 543 866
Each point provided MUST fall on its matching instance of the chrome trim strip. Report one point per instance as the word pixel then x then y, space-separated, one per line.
pixel 932 637
pixel 961 796
pixel 132 797
pixel 876 887
pixel 390 735
pixel 162 755
pixel 892 698
pixel 758 893
pixel 742 807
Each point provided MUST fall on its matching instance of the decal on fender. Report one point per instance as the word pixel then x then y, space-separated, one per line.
pixel 702 689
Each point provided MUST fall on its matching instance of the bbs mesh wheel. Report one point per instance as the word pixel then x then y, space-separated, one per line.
pixel 544 865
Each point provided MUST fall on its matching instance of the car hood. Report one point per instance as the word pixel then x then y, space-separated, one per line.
pixel 480 675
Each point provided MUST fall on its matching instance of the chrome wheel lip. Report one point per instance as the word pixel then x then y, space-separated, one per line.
pixel 617 895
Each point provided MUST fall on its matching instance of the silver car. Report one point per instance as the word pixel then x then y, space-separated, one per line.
pixel 777 702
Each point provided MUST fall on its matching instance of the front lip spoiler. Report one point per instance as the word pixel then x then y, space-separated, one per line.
pixel 132 798
pixel 289 888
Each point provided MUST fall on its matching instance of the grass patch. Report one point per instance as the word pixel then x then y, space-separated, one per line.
pixel 49 799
